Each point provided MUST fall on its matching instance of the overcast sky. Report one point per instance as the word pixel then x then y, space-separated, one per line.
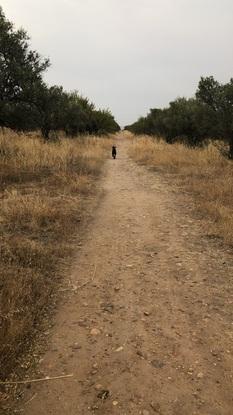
pixel 129 55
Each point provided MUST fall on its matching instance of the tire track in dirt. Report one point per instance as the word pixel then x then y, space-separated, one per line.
pixel 160 303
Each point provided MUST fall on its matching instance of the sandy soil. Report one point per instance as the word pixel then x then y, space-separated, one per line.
pixel 147 322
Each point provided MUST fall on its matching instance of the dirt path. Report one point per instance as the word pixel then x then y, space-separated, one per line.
pixel 160 301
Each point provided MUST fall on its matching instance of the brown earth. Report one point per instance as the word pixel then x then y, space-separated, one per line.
pixel 159 294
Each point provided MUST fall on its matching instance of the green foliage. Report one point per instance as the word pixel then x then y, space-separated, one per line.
pixel 20 67
pixel 208 115
pixel 218 98
pixel 103 122
pixel 50 102
pixel 184 121
pixel 27 103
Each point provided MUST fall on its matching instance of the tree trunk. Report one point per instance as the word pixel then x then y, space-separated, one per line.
pixel 231 147
pixel 45 132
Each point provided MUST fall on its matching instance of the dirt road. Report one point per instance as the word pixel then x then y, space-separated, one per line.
pixel 150 328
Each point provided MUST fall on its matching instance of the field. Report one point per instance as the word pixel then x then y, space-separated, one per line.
pixel 204 172
pixel 154 303
pixel 44 189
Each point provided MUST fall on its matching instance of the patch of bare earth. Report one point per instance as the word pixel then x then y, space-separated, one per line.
pixel 146 322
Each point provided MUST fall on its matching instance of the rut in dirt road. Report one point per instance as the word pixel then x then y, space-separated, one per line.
pixel 150 331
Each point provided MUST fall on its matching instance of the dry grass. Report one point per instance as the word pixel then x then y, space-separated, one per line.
pixel 43 188
pixel 204 172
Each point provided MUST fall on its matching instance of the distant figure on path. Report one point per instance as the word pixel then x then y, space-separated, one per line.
pixel 114 152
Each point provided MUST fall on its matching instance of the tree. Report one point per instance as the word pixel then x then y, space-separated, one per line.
pixel 208 115
pixel 218 98
pixel 20 67
pixel 50 103
pixel 78 111
pixel 26 102
pixel 103 122
pixel 181 120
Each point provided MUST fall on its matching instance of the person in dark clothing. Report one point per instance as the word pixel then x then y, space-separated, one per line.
pixel 114 152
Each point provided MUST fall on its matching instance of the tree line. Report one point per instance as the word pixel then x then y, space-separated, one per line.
pixel 27 103
pixel 209 115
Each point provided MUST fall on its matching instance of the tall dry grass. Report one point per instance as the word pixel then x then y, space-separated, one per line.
pixel 203 171
pixel 43 188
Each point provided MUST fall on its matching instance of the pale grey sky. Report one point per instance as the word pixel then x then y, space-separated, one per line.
pixel 129 55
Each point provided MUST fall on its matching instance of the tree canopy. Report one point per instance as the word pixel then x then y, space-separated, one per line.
pixel 208 115
pixel 27 103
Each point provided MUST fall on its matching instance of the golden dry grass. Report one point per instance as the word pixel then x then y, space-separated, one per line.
pixel 43 188
pixel 203 171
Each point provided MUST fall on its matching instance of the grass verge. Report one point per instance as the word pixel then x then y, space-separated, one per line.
pixel 202 171
pixel 43 188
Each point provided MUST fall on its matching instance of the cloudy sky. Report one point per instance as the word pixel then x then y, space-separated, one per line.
pixel 129 55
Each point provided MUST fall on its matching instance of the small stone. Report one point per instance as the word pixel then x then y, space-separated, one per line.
pixel 103 394
pixel 95 332
pixel 98 387
pixel 95 366
pixel 200 375
pixel 155 407
pixel 76 346
pixel 117 289
pixel 157 364
pixel 108 307
pixel 115 403
pixel 82 323
pixel 146 313
pixel 119 349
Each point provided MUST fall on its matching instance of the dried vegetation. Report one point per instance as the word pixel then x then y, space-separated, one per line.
pixel 205 172
pixel 44 188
